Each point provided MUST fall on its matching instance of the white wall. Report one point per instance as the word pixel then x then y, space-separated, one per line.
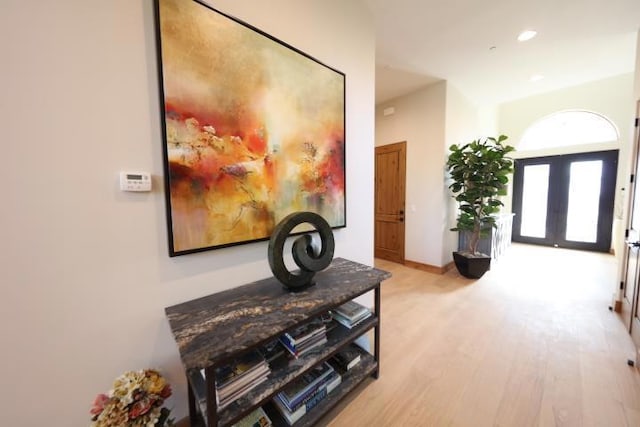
pixel 464 122
pixel 488 120
pixel 419 119
pixel 85 270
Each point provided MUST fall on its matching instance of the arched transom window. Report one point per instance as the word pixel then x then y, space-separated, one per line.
pixel 565 128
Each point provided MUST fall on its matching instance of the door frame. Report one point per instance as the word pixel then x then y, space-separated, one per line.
pixel 630 312
pixel 630 235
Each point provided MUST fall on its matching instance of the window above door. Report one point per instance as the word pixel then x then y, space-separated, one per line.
pixel 567 128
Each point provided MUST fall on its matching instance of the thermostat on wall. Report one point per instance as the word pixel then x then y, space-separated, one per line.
pixel 135 181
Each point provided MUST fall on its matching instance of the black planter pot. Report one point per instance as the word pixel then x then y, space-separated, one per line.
pixel 471 267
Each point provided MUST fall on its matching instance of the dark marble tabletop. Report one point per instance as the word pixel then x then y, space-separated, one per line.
pixel 212 328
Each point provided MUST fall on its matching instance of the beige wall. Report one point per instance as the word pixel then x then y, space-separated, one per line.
pixel 85 270
pixel 419 119
pixel 610 97
pixel 430 120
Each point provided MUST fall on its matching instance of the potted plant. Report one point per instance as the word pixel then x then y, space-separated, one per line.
pixel 480 172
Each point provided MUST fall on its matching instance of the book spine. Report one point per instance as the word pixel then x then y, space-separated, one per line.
pixel 315 399
pixel 321 393
pixel 291 417
pixel 293 406
pixel 307 394
pixel 335 383
pixel 309 403
pixel 288 338
pixel 291 348
pixel 353 363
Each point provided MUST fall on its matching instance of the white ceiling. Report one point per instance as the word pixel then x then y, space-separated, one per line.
pixel 419 42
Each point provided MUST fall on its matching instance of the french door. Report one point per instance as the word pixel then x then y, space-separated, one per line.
pixel 565 201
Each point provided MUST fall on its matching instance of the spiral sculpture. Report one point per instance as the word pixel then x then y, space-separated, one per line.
pixel 303 253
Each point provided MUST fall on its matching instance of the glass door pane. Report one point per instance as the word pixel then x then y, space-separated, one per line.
pixel 535 189
pixel 566 201
pixel 584 201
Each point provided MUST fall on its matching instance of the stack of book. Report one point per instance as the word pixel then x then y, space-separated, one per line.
pixel 347 357
pixel 304 393
pixel 350 314
pixel 305 338
pixel 237 379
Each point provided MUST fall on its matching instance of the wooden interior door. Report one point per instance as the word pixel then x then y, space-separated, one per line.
pixel 389 201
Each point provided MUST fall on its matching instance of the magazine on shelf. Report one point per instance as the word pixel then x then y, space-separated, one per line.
pixel 352 310
pixel 305 332
pixel 292 416
pixel 347 322
pixel 258 418
pixel 305 337
pixel 297 351
pixel 320 339
pixel 239 377
pixel 227 399
pixel 240 367
pixel 302 386
pixel 307 394
pixel 301 345
pixel 241 384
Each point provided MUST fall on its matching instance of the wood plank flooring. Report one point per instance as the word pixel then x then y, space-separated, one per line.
pixel 532 343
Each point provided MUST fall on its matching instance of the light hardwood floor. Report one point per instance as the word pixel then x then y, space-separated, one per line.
pixel 532 343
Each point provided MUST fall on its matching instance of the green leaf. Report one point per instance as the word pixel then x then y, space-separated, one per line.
pixel 480 171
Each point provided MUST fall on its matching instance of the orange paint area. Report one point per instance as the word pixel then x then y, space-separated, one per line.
pixel 254 130
pixel 226 189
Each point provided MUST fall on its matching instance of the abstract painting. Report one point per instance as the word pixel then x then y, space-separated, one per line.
pixel 253 129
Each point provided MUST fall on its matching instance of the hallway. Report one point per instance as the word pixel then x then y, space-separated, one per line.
pixel 532 343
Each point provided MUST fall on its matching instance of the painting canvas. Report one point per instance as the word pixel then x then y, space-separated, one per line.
pixel 254 130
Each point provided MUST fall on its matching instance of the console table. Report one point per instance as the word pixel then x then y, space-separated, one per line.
pixel 214 330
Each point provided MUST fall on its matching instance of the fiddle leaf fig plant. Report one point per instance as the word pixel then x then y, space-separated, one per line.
pixel 480 172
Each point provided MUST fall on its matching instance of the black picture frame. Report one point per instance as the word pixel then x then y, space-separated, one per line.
pixel 253 130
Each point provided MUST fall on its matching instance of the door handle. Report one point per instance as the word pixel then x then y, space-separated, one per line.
pixel 401 215
pixel 635 244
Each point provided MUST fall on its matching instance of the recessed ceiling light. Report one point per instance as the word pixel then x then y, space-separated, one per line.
pixel 536 78
pixel 526 35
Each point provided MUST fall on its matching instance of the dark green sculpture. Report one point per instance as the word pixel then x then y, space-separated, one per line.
pixel 303 252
